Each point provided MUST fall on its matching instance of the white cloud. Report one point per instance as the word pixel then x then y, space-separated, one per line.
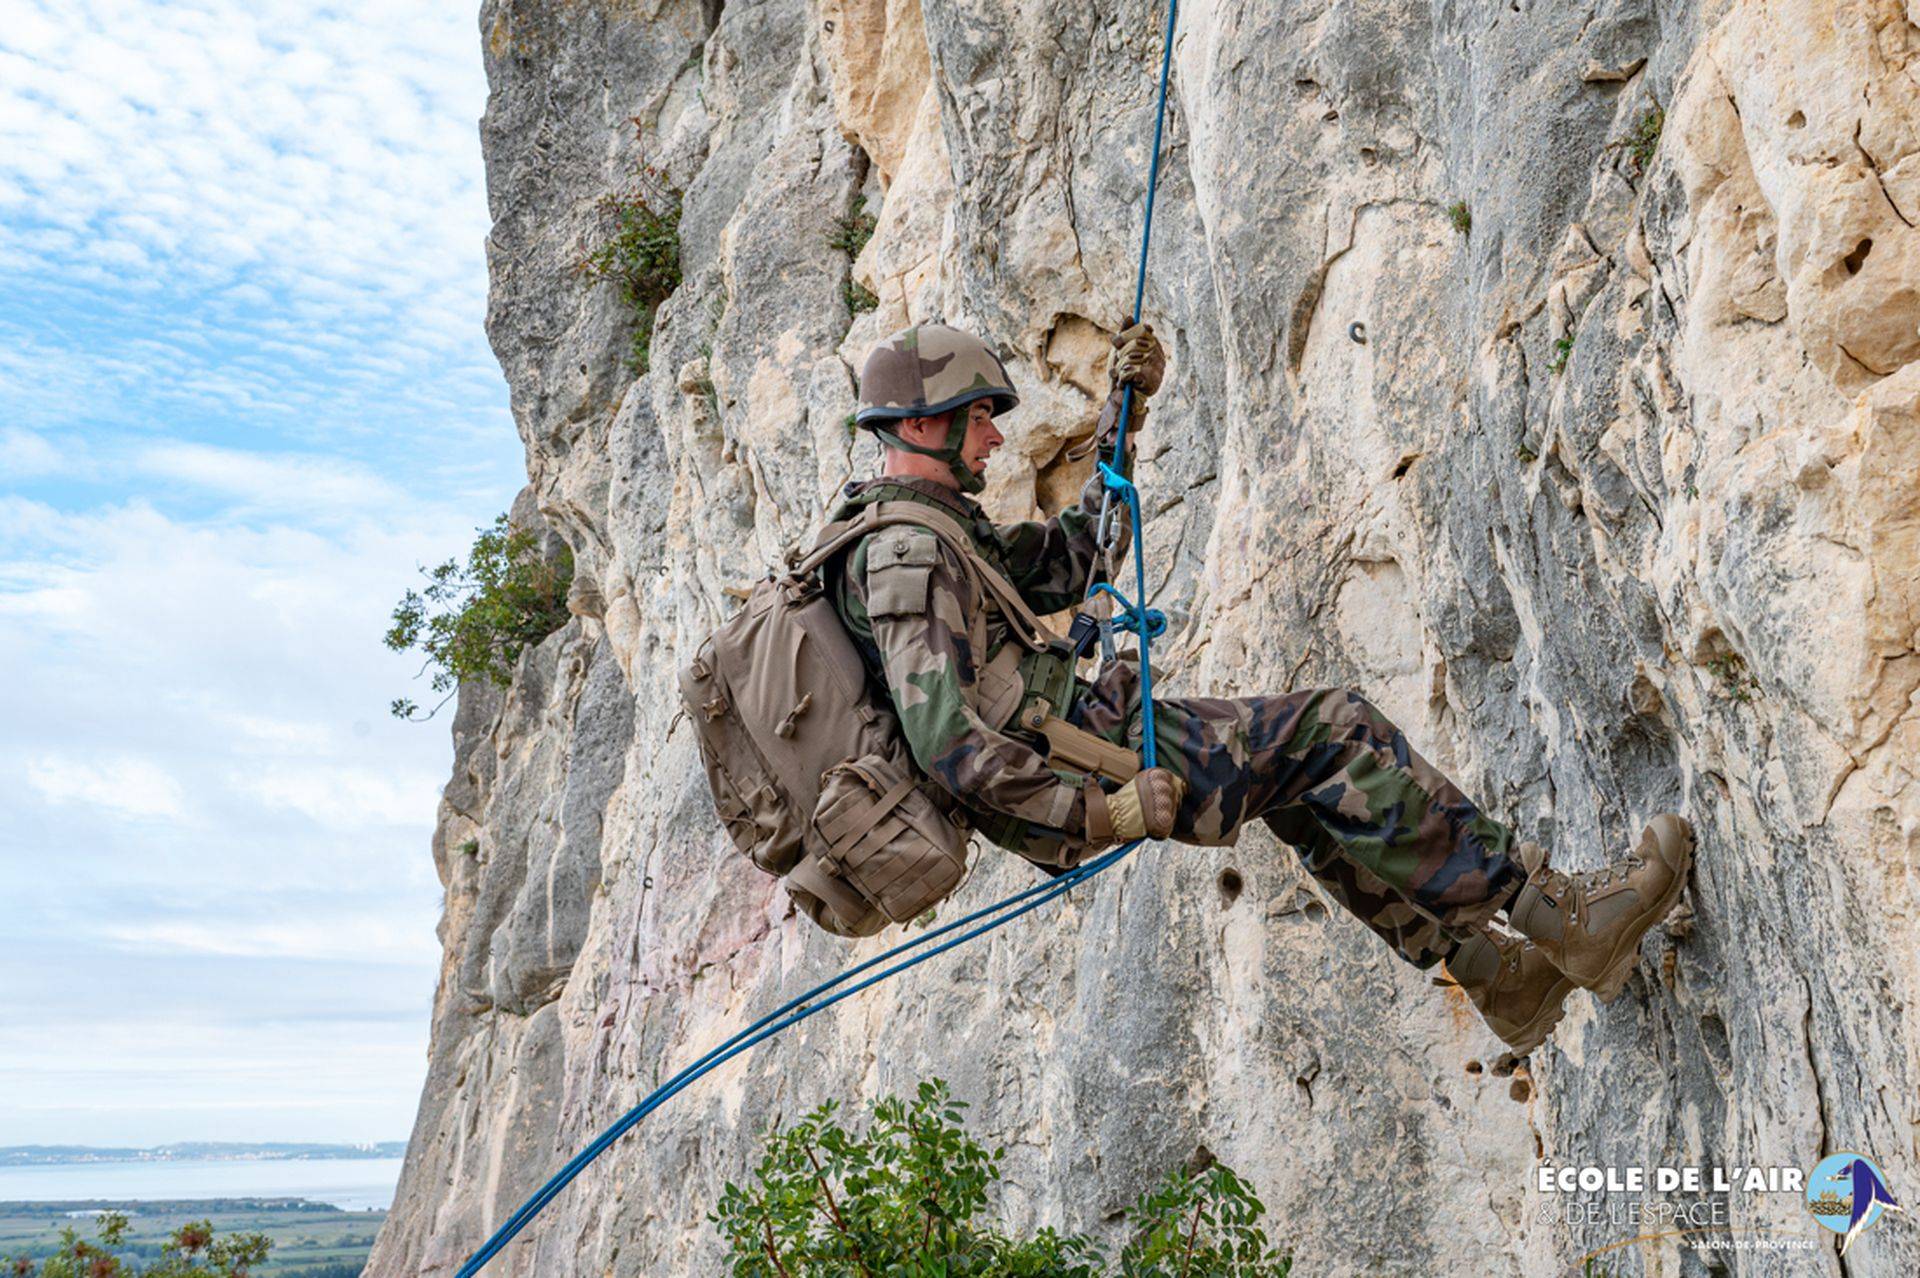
pixel 236 161
pixel 134 787
pixel 24 453
pixel 352 939
pixel 344 798
pixel 244 391
pixel 274 482
pixel 204 753
pixel 143 1069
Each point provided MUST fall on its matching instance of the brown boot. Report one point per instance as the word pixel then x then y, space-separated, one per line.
pixel 1590 923
pixel 1518 991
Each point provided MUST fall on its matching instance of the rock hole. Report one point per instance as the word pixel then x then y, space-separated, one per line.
pixel 1369 156
pixel 1858 257
pixel 1331 116
pixel 1201 1159
pixel 1713 1037
pixel 1231 886
pixel 1521 1090
pixel 1798 120
pixel 1313 910
pixel 1405 464
pixel 1475 1067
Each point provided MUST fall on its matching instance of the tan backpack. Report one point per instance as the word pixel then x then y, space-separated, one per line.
pixel 810 772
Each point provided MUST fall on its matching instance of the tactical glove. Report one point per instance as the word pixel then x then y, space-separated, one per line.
pixel 1143 808
pixel 1108 427
pixel 1138 359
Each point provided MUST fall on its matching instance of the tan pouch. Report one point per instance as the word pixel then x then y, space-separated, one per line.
pixel 999 689
pixel 900 563
pixel 892 853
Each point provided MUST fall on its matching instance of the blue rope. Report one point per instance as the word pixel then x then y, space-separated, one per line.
pixel 789 1013
pixel 996 915
pixel 1130 617
pixel 1116 483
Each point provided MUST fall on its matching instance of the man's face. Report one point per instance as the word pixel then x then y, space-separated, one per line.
pixel 982 436
pixel 981 439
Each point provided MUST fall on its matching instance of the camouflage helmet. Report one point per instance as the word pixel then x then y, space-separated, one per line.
pixel 927 370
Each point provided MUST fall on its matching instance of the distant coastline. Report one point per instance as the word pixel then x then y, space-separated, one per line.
pixel 196 1151
pixel 353 1183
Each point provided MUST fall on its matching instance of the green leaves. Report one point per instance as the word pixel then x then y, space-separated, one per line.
pixel 850 236
pixel 473 622
pixel 1562 347
pixel 905 1199
pixel 1644 140
pixel 639 253
pixel 191 1252
pixel 851 233
pixel 1201 1224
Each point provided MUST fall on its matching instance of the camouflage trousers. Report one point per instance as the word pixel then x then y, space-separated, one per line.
pixel 1384 833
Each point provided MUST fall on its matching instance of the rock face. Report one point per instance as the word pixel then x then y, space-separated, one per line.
pixel 1610 500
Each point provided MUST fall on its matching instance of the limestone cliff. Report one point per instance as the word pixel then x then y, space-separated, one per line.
pixel 1610 499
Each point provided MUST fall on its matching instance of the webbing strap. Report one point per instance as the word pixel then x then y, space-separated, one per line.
pixel 1099 814
pixel 848 836
pixel 836 537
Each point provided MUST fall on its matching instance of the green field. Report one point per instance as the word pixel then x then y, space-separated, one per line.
pixel 310 1240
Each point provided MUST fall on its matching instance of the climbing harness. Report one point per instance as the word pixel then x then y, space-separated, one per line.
pixel 1140 620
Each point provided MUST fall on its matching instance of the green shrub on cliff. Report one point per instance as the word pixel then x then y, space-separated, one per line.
pixel 474 622
pixel 905 1197
pixel 639 254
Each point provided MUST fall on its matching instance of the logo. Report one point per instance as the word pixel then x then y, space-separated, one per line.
pixel 1846 1193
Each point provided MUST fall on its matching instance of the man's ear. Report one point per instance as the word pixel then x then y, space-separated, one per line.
pixel 928 432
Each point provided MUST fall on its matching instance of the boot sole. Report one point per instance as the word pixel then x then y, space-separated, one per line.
pixel 1626 960
pixel 1535 1031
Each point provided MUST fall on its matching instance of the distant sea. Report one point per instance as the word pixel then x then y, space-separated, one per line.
pixel 354 1184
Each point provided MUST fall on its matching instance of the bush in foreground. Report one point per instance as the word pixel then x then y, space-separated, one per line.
pixel 905 1199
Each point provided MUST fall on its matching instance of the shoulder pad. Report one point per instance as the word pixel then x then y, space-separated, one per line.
pixel 900 562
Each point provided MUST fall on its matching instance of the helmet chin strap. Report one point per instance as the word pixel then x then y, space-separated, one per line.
pixel 950 453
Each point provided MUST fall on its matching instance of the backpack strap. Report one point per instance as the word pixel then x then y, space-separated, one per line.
pixel 837 536
pixel 1032 631
pixel 831 540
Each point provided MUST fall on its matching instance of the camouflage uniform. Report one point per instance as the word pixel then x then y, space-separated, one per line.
pixel 1380 828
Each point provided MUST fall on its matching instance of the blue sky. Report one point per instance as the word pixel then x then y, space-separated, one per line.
pixel 244 393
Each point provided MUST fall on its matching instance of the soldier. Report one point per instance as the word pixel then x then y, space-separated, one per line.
pixel 1382 830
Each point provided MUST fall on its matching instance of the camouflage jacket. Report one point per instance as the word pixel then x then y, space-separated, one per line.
pixel 926 635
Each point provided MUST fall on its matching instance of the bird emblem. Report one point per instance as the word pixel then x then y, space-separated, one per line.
pixel 1868 1190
